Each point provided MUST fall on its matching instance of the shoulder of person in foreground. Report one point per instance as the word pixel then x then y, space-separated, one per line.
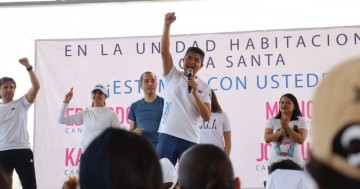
pixel 335 151
pixel 289 178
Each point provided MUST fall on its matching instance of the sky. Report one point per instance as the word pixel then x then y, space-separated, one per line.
pixel 21 26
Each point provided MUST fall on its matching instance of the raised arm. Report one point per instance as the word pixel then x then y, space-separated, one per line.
pixel 166 57
pixel 71 119
pixel 68 96
pixel 35 85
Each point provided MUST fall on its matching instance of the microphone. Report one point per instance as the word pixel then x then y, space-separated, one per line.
pixel 189 75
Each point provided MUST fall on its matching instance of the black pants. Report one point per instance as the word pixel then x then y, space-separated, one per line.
pixel 22 160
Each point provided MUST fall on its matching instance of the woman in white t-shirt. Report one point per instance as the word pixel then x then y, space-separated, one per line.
pixel 217 130
pixel 286 131
pixel 95 119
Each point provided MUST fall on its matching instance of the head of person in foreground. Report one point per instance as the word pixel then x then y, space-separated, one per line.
pixel 335 151
pixel 120 159
pixel 205 166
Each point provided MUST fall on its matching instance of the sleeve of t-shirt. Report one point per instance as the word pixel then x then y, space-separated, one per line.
pixel 302 123
pixel 115 122
pixel 71 119
pixel 171 74
pixel 25 102
pixel 131 115
pixel 207 96
pixel 270 123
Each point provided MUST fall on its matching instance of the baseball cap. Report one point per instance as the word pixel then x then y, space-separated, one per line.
pixel 99 87
pixel 336 120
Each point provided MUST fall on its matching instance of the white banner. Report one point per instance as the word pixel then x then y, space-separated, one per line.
pixel 248 70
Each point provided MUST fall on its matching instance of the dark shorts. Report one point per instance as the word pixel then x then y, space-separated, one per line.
pixel 171 147
pixel 22 161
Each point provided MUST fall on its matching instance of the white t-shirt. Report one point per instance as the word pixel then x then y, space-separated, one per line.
pixel 290 179
pixel 180 117
pixel 169 172
pixel 94 120
pixel 288 148
pixel 212 131
pixel 13 125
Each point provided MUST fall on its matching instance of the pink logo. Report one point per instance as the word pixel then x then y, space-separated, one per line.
pixel 72 156
pixel 77 110
pixel 305 108
pixel 266 147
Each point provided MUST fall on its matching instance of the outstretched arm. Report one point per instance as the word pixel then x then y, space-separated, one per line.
pixel 35 85
pixel 166 57
pixel 71 119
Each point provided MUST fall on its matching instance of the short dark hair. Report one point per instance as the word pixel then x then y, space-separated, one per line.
pixel 285 164
pixel 148 72
pixel 120 159
pixel 205 166
pixel 198 51
pixel 6 79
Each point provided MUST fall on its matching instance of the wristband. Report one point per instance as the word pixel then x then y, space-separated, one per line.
pixel 29 68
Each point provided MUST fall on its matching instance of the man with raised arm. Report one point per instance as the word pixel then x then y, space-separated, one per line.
pixel 187 99
pixel 15 150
